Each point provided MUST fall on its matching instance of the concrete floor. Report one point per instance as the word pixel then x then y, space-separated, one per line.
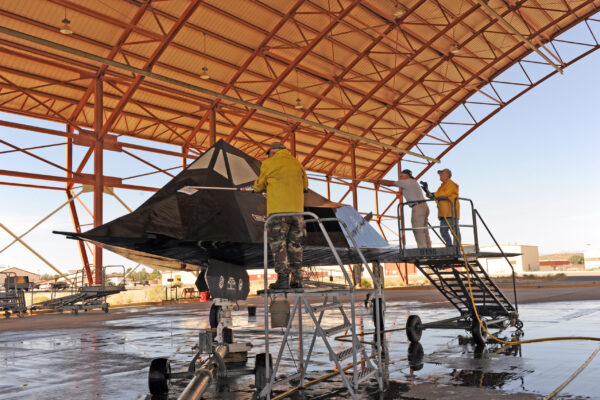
pixel 97 356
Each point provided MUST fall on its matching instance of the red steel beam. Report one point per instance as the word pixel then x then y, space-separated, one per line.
pixel 136 18
pixel 147 66
pixel 382 82
pixel 73 209
pixel 84 179
pixel 99 176
pixel 71 135
pixel 244 67
pixel 430 70
pixel 31 186
pixel 346 70
pixel 353 185
pixel 502 57
pixel 484 119
pixel 305 51
pixel 138 116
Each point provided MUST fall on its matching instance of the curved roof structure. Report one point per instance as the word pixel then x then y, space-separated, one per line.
pixel 350 85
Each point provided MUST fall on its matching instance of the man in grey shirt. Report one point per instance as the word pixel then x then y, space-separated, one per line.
pixel 420 211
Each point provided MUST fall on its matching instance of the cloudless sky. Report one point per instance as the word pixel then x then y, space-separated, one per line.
pixel 531 170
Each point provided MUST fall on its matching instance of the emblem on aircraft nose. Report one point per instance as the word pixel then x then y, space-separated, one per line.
pixel 231 283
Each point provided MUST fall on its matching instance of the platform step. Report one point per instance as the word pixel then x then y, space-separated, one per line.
pixel 323 307
pixel 347 353
pixel 365 374
pixel 336 329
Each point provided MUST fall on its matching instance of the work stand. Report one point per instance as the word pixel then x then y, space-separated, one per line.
pixel 86 297
pixel 332 303
pixel 459 276
pixel 12 294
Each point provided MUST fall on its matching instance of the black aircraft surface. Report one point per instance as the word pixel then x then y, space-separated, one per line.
pixel 200 220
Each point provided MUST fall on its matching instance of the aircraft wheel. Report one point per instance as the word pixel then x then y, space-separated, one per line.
pixel 159 376
pixel 413 328
pixel 105 308
pixel 6 314
pixel 260 371
pixel 75 311
pixel 479 334
pixel 213 317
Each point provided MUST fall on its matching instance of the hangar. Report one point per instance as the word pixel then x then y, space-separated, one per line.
pixel 355 89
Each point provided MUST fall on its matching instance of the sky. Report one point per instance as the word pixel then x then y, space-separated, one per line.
pixel 530 170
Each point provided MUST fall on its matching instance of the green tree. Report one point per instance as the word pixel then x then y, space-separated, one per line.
pixel 576 259
pixel 155 274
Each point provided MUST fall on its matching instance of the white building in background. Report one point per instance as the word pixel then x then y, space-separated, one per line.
pixel 187 278
pixel 592 259
pixel 527 261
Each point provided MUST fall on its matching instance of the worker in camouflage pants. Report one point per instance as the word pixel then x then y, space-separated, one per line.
pixel 286 235
pixel 285 181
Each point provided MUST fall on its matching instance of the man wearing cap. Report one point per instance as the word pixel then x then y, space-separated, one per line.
pixel 448 207
pixel 285 181
pixel 419 209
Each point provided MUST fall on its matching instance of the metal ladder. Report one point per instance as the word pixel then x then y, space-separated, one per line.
pixel 450 278
pixel 331 303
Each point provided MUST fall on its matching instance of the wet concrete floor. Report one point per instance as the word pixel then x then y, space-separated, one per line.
pixel 109 359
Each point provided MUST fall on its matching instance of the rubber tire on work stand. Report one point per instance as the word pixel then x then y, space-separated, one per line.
pixel 413 328
pixel 260 371
pixel 213 316
pixel 479 334
pixel 159 376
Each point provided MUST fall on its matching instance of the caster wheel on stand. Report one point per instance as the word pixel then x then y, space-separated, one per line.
pixel 479 334
pixel 260 371
pixel 159 376
pixel 413 328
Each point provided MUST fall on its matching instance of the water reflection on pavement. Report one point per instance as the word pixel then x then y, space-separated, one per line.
pixel 110 360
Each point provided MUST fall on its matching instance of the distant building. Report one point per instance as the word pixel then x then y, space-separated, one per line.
pixel 187 278
pixel 527 261
pixel 33 277
pixel 551 265
pixel 592 259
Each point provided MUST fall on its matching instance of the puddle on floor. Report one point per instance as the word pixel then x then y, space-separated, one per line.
pixel 111 361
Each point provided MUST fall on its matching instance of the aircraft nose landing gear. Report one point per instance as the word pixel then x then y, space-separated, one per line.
pixel 216 357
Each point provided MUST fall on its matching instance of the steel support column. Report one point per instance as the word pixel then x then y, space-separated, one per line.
pixel 212 127
pixel 84 257
pixel 183 157
pixel 354 181
pixel 99 177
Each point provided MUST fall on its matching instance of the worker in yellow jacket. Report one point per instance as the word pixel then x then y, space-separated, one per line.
pixel 285 181
pixel 448 207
